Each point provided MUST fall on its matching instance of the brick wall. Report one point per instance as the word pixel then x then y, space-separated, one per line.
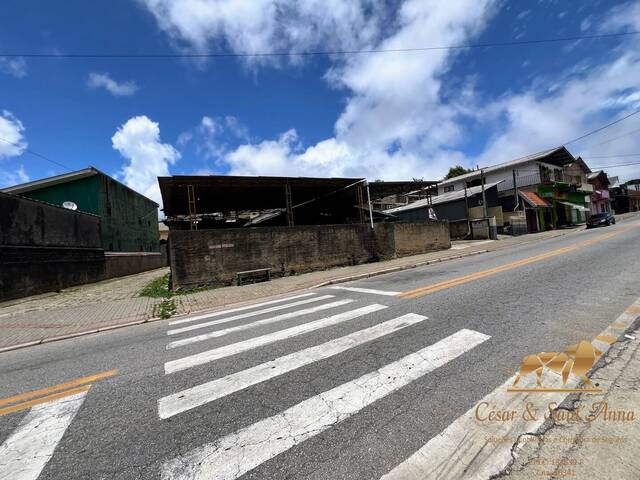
pixel 215 256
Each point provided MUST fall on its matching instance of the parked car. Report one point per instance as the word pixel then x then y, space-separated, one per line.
pixel 600 220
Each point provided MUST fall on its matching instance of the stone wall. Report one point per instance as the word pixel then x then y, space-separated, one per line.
pixel 215 256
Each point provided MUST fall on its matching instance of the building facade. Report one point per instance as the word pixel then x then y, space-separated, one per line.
pixel 555 182
pixel 625 197
pixel 600 198
pixel 128 220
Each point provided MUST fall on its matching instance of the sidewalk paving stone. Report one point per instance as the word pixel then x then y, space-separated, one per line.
pixel 117 301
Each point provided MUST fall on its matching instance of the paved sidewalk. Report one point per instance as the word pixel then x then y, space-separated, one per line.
pixel 596 446
pixel 105 305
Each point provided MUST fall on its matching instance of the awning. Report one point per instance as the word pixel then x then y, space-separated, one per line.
pixel 576 206
pixel 533 199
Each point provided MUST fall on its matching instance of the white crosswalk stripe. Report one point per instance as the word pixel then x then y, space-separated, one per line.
pixel 368 290
pixel 248 314
pixel 243 346
pixel 258 323
pixel 210 391
pixel 31 445
pixel 238 309
pixel 242 451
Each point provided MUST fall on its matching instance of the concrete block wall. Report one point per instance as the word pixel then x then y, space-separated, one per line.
pixel 413 238
pixel 215 256
pixel 32 223
pixel 121 264
pixel 45 248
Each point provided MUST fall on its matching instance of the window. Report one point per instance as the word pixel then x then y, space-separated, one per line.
pixel 449 188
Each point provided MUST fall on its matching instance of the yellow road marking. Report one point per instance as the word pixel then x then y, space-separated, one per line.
pixel 436 287
pixel 606 338
pixel 48 398
pixel 617 325
pixel 57 388
pixel 633 309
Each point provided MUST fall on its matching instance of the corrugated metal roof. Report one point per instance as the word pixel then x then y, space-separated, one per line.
pixel 444 198
pixel 49 181
pixel 510 163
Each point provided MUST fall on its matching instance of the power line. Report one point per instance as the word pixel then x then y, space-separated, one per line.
pixel 614 156
pixel 319 53
pixel 602 128
pixel 617 165
pixel 615 138
pixel 36 154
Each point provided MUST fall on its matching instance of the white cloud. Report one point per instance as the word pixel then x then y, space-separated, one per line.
pixel 267 25
pixel 16 67
pixel 403 115
pixel 13 177
pixel 212 136
pixel 394 124
pixel 138 140
pixel 118 89
pixel 13 142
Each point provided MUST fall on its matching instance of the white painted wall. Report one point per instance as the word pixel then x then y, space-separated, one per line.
pixel 525 169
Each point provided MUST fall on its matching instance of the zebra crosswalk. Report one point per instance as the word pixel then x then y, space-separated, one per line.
pixel 28 449
pixel 237 453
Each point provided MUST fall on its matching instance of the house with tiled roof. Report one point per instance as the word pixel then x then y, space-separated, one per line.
pixel 548 188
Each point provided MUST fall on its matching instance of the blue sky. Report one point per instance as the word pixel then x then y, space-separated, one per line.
pixel 388 115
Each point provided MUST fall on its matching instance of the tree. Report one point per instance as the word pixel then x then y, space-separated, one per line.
pixel 457 171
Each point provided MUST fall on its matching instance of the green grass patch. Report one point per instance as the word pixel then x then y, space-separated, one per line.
pixel 157 288
pixel 166 308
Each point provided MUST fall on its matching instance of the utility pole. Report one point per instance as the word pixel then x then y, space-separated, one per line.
pixel 466 200
pixel 515 190
pixel 370 208
pixel 484 198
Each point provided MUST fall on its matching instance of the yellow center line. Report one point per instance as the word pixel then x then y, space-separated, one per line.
pixel 436 287
pixel 57 388
pixel 48 398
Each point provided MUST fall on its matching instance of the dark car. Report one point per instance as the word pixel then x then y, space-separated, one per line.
pixel 601 220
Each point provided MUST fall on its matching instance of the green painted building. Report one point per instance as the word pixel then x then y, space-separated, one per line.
pixel 128 220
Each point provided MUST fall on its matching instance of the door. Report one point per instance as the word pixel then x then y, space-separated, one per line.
pixel 532 220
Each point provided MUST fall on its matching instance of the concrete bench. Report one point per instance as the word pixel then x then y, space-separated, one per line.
pixel 253 276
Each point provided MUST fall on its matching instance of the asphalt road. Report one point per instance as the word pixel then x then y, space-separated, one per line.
pixel 474 320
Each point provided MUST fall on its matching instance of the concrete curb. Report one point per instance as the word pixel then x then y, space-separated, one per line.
pixel 76 334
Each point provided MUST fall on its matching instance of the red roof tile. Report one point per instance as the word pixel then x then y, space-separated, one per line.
pixel 534 199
